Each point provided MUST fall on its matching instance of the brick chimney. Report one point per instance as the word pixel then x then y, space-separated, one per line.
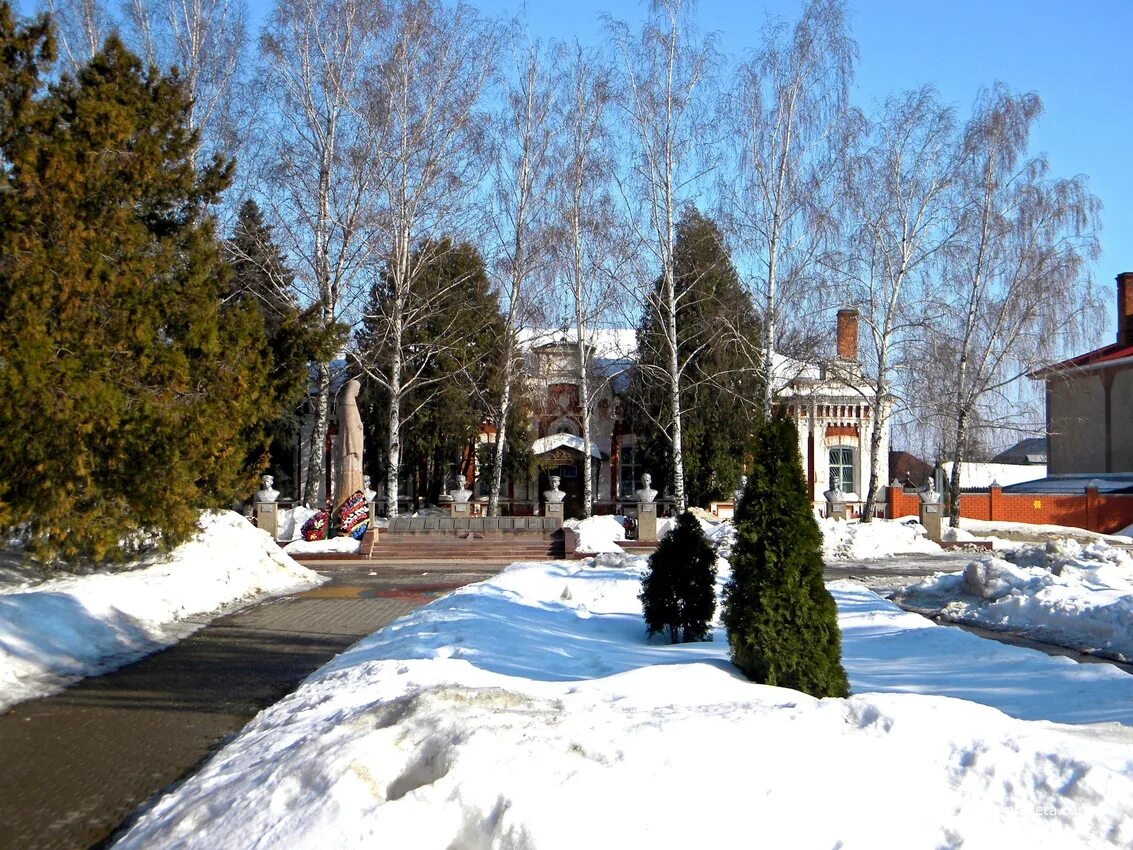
pixel 1125 308
pixel 848 330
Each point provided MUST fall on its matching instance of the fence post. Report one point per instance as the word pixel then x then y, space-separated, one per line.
pixel 994 500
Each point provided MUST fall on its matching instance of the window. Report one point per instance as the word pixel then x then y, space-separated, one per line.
pixel 629 472
pixel 563 426
pixel 842 469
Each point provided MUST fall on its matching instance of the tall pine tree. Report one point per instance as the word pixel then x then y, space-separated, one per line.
pixel 718 341
pixel 781 620
pixel 296 337
pixel 132 396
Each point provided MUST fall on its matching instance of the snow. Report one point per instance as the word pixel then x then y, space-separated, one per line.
pixel 63 629
pixel 879 538
pixel 983 528
pixel 598 533
pixel 976 475
pixel 1068 593
pixel 330 546
pixel 531 711
pixel 553 441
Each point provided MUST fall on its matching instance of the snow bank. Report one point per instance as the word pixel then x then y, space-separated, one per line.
pixel 598 534
pixel 530 711
pixel 64 629
pixel 331 546
pixel 1067 593
pixel 879 538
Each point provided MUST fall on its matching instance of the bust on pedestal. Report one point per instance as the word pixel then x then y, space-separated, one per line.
pixel 460 499
pixel 932 512
pixel 835 500
pixel 264 507
pixel 554 499
pixel 646 510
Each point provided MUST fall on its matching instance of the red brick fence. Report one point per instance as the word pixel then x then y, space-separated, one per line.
pixel 1091 510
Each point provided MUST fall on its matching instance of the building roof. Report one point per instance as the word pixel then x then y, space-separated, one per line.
pixel 1108 355
pixel 1076 484
pixel 1028 451
pixel 980 475
pixel 570 441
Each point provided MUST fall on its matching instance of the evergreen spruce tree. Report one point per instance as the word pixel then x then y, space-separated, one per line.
pixel 131 395
pixel 296 337
pixel 718 336
pixel 782 622
pixel 678 595
pixel 449 358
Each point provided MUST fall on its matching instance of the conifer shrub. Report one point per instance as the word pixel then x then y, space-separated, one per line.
pixel 782 623
pixel 133 395
pixel 678 595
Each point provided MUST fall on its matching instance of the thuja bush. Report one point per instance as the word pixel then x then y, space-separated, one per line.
pixel 678 595
pixel 782 623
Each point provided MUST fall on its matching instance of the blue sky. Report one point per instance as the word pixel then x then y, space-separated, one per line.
pixel 1074 53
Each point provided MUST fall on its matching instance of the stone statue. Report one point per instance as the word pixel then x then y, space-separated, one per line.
pixel 554 496
pixel 461 495
pixel 266 493
pixel 367 490
pixel 738 495
pixel 646 493
pixel 350 443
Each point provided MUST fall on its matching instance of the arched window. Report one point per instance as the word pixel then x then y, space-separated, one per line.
pixel 563 426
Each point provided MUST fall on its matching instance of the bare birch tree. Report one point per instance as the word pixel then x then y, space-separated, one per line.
pixel 898 219
pixel 324 165
pixel 523 130
pixel 1017 284
pixel 663 74
pixel 435 63
pixel 81 26
pixel 206 41
pixel 790 115
pixel 589 249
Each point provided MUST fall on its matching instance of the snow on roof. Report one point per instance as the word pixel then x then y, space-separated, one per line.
pixel 554 441
pixel 608 343
pixel 976 475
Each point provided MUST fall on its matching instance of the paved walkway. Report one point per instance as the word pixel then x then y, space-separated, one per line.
pixel 75 765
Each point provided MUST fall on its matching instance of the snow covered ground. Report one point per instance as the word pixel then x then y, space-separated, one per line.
pixel 61 630
pixel 1074 595
pixel 531 711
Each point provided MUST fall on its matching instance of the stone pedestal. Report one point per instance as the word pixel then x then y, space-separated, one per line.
pixel 647 521
pixel 555 511
pixel 931 515
pixel 836 510
pixel 460 508
pixel 267 518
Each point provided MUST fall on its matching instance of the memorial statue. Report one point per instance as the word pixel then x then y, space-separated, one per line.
pixel 646 493
pixel 350 443
pixel 554 496
pixel 462 494
pixel 266 493
pixel 737 495
pixel 367 491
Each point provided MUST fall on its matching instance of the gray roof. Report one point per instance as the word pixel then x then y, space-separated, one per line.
pixel 1076 484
